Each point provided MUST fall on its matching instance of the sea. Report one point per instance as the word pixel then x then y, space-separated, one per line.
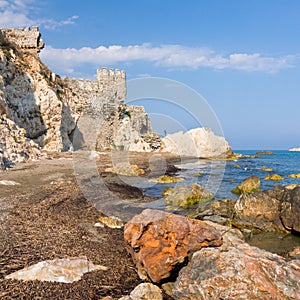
pixel 220 177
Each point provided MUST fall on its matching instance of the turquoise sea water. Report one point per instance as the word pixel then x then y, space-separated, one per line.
pixel 220 177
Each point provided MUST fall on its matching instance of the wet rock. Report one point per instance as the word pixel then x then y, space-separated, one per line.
pixel 265 153
pixel 290 209
pixel 166 179
pixel 160 242
pixel 59 270
pixel 294 175
pixel 264 168
pixel 145 291
pixel 259 210
pixel 274 177
pixel 238 271
pixel 248 185
pixel 187 196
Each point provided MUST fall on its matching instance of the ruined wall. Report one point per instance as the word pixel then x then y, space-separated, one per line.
pixel 25 38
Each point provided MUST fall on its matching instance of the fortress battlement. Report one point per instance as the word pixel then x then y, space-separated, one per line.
pixel 26 38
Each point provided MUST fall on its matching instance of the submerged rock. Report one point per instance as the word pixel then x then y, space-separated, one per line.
pixel 65 270
pixel 294 175
pixel 187 196
pixel 249 185
pixel 166 179
pixel 160 242
pixel 264 168
pixel 238 271
pixel 274 177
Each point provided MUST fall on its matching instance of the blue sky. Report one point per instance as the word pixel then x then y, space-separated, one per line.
pixel 243 57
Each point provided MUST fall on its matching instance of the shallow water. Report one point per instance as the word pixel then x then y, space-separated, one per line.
pixel 220 177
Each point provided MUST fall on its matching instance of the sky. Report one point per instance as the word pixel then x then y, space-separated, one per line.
pixel 241 57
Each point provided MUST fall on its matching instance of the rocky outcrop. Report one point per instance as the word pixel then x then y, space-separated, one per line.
pixel 277 210
pixel 198 142
pixel 14 146
pixel 63 114
pixel 160 242
pixel 250 184
pixel 237 271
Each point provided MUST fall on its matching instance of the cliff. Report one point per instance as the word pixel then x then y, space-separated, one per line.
pixel 52 113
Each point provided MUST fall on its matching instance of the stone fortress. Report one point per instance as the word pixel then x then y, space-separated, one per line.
pixel 26 38
pixel 51 112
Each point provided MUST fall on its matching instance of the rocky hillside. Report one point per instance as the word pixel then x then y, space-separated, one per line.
pixel 46 110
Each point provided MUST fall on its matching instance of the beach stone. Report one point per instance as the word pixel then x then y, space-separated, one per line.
pixel 248 185
pixel 238 271
pixel 160 242
pixel 65 270
pixel 290 209
pixel 187 196
pixel 145 291
pixel 258 210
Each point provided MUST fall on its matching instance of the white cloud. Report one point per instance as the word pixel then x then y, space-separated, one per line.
pixel 18 13
pixel 168 56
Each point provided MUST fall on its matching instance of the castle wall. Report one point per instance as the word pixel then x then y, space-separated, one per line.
pixel 26 38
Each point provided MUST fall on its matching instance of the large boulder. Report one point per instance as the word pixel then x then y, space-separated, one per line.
pixel 290 209
pixel 187 196
pixel 249 185
pixel 160 242
pixel 238 271
pixel 198 142
pixel 259 210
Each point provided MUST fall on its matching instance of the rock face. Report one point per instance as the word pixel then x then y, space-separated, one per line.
pixel 198 142
pixel 248 185
pixel 160 242
pixel 14 146
pixel 237 271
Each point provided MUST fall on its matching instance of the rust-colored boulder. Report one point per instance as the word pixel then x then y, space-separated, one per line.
pixel 160 242
pixel 237 271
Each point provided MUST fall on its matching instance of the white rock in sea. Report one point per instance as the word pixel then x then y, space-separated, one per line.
pixel 294 150
pixel 65 270
pixel 198 142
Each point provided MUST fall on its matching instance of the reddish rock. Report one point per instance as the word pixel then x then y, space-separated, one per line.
pixel 238 271
pixel 159 242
